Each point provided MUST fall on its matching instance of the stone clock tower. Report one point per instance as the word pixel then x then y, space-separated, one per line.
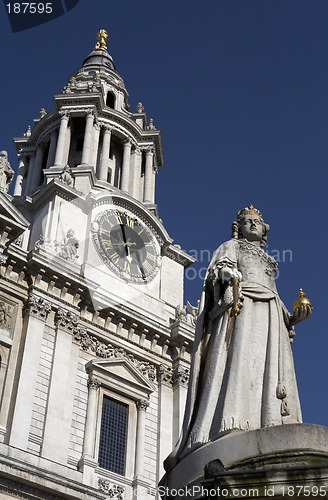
pixel 94 344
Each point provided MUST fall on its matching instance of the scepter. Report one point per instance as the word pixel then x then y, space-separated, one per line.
pixel 235 310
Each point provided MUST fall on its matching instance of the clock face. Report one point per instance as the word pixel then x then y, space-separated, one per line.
pixel 126 245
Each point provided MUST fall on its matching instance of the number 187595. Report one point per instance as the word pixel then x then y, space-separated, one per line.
pixel 29 8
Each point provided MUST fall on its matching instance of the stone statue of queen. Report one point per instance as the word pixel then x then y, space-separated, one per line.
pixel 242 374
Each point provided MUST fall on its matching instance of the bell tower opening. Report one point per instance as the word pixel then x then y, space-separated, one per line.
pixel 110 100
pixel 76 147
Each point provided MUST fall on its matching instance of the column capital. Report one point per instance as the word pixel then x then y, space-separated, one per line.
pixel 149 150
pixel 127 142
pixel 96 124
pixel 22 155
pixel 64 113
pixel 181 376
pixel 164 375
pixel 93 383
pixel 91 111
pixel 38 307
pixel 66 319
pixel 142 404
pixel 107 128
pixel 40 145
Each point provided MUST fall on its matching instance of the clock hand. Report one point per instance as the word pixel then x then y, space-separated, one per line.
pixel 124 239
pixel 137 255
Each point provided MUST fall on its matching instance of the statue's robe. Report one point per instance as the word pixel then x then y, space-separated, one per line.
pixel 242 375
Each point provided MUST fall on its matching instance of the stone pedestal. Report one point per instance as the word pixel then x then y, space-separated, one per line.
pixel 281 461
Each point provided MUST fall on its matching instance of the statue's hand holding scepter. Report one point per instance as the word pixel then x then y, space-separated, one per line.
pixel 233 278
pixel 235 310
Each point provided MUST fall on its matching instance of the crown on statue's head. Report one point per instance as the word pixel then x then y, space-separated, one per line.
pixel 250 210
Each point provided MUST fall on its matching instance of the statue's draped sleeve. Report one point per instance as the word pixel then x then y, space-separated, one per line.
pixel 225 256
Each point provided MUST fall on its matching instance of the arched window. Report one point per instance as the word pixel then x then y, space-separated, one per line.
pixel 110 100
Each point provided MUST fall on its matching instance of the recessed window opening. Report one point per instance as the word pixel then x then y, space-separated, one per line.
pixel 113 434
pixel 110 100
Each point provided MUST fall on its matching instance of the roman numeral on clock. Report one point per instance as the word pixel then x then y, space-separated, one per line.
pixel 147 265
pixel 130 222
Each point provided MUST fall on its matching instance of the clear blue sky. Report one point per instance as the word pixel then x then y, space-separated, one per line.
pixel 239 89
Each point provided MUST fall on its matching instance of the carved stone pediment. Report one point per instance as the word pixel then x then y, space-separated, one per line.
pixel 120 375
pixel 12 222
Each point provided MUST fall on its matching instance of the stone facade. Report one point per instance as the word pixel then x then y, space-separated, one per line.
pixel 84 316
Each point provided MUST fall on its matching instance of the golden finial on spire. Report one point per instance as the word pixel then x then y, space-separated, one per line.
pixel 102 36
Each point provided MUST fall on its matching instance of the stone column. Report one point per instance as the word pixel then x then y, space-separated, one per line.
pixel 104 162
pixel 36 316
pixel 37 166
pixel 52 149
pixel 153 181
pixel 142 406
pixel 88 136
pixel 135 191
pixel 125 178
pixel 67 146
pixel 95 145
pixel 180 387
pixel 61 143
pixel 55 446
pixel 165 416
pixel 29 175
pixel 148 194
pixel 20 175
pixel 91 418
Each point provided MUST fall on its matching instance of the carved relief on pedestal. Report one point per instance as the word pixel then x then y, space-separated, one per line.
pixel 4 315
pixel 66 249
pixel 7 317
pixel 44 244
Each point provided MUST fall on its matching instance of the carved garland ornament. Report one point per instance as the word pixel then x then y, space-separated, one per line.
pixel 103 350
pixel 113 490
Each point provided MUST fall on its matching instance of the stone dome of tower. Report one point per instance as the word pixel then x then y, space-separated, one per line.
pixel 100 57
